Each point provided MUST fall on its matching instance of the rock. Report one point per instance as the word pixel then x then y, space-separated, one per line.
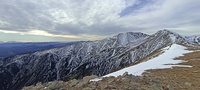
pixel 195 71
pixel 111 87
pixel 103 85
pixel 40 87
pixel 151 74
pixel 73 82
pixel 55 86
pixel 86 80
pixel 155 87
pixel 111 80
pixel 188 84
pixel 170 88
pixel 125 80
pixel 125 74
pixel 87 88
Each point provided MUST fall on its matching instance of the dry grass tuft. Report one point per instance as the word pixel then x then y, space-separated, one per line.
pixel 181 78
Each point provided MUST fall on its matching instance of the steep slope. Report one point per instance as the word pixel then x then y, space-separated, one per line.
pixel 174 78
pixel 82 59
pixel 165 60
pixel 193 39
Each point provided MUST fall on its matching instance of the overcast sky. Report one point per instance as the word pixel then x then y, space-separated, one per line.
pixel 69 20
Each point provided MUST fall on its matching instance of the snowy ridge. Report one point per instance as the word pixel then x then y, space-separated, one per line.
pixel 175 37
pixel 129 37
pixel 82 59
pixel 193 39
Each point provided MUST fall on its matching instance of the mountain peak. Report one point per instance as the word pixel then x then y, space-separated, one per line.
pixel 175 37
pixel 129 37
pixel 167 31
pixel 137 34
pixel 195 39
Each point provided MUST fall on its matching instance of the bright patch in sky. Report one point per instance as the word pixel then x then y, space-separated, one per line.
pixel 84 19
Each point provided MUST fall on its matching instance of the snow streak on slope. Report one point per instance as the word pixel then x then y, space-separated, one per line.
pixel 164 60
pixel 193 39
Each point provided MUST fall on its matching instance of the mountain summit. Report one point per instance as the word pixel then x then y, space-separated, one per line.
pixel 84 58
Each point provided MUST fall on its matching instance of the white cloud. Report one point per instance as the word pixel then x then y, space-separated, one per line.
pixel 44 33
pixel 165 14
pixel 85 18
pixel 89 12
pixel 39 32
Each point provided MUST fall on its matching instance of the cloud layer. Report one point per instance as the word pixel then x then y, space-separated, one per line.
pixel 98 18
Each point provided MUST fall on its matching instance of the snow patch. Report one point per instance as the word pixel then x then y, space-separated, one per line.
pixel 173 38
pixel 165 60
pixel 96 79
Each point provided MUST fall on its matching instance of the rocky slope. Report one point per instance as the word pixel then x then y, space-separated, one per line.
pixel 125 82
pixel 82 59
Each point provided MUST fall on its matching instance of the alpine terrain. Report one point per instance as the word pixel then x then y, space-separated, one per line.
pixel 87 58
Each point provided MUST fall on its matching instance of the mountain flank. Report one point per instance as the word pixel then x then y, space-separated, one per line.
pixel 176 78
pixel 87 58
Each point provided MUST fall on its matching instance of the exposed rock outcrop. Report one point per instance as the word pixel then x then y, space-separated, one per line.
pixel 125 82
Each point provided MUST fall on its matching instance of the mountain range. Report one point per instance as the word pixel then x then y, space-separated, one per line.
pixel 8 49
pixel 99 58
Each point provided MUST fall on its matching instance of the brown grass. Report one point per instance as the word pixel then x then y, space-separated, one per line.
pixel 181 78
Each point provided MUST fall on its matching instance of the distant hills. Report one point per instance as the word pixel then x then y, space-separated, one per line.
pixel 15 48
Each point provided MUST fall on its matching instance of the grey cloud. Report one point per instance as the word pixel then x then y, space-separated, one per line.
pixel 23 15
pixel 68 29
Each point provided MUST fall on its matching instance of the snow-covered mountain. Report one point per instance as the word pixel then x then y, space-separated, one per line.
pixel 84 58
pixel 165 60
pixel 193 39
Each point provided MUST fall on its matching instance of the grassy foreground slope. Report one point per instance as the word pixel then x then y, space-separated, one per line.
pixel 181 78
